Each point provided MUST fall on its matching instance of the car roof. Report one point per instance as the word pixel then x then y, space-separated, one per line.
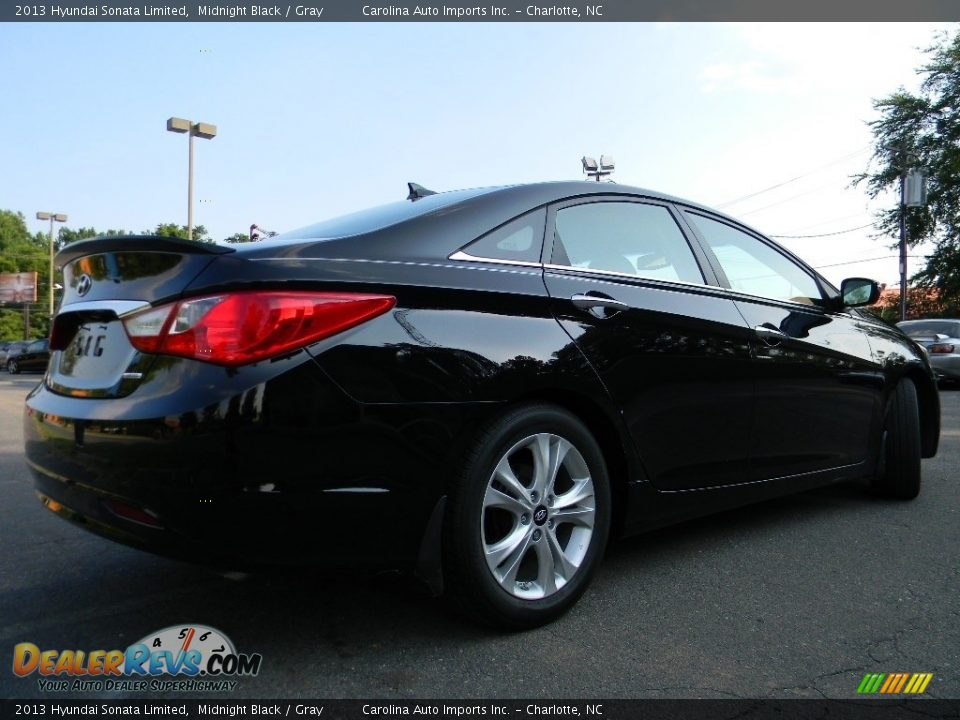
pixel 435 225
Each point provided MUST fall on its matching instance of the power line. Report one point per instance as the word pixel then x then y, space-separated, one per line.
pixel 854 262
pixel 862 215
pixel 798 177
pixel 785 200
pixel 829 234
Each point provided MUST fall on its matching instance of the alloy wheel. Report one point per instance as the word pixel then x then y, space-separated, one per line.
pixel 538 516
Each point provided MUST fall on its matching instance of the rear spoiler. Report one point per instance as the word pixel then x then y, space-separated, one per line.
pixel 137 243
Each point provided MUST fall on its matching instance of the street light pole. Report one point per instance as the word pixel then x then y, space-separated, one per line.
pixel 58 217
pixel 190 192
pixel 203 130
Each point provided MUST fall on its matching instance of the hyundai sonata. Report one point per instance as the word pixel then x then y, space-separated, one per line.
pixel 479 387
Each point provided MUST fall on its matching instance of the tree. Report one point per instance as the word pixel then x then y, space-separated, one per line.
pixel 237 238
pixel 180 231
pixel 67 235
pixel 923 131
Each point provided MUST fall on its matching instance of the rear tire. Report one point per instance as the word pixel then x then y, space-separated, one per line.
pixel 12 367
pixel 527 519
pixel 899 476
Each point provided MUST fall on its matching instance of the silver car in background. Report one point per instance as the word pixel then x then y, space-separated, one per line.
pixel 941 340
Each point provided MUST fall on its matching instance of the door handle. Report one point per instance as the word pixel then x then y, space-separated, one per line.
pixel 591 301
pixel 770 334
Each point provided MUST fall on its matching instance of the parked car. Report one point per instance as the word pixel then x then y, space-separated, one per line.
pixel 480 387
pixel 9 348
pixel 941 339
pixel 33 357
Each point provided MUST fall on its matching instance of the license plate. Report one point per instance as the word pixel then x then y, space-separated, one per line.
pixel 99 352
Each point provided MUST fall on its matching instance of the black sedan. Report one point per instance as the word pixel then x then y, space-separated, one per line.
pixel 32 356
pixel 480 387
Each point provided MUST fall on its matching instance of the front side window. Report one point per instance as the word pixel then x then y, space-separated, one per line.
pixel 754 267
pixel 624 237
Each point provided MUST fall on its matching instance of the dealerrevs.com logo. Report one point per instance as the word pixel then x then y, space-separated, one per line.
pixel 177 658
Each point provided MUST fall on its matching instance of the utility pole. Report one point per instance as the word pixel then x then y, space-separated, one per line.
pixel 903 243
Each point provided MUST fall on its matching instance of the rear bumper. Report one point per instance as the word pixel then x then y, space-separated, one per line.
pixel 286 470
pixel 946 366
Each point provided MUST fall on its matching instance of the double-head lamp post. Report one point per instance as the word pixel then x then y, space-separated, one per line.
pixel 597 170
pixel 202 130
pixel 52 217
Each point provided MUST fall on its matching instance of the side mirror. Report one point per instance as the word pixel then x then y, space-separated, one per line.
pixel 856 292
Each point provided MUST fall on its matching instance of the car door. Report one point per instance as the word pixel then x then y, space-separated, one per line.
pixel 818 390
pixel 672 350
pixel 34 356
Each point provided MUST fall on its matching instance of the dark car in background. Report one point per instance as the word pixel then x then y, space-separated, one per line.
pixel 30 357
pixel 941 339
pixel 9 348
pixel 480 387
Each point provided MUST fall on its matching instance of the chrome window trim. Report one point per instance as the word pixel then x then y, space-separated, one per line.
pixel 461 255
pixel 644 278
pixel 751 296
pixel 121 307
pixel 726 291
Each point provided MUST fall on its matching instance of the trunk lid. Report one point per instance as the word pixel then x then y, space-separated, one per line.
pixel 105 280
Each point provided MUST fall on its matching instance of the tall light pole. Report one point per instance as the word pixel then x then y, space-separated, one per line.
pixel 203 130
pixel 61 218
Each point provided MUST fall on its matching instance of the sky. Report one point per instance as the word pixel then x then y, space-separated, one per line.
pixel 317 120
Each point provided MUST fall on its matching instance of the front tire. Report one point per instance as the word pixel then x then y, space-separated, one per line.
pixel 527 519
pixel 900 474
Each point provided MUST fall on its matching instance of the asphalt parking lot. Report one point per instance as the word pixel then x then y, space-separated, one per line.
pixel 799 597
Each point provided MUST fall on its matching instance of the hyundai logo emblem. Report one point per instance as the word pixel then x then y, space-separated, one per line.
pixel 540 515
pixel 84 284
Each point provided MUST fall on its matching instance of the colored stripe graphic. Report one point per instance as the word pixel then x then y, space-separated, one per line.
pixel 903 681
pixel 894 683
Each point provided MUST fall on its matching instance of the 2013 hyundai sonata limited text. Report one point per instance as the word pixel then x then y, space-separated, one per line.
pixel 481 387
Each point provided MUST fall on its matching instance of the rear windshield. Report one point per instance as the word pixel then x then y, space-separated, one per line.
pixel 926 328
pixel 377 218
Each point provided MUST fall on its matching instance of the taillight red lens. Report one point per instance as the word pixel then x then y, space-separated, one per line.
pixel 941 348
pixel 245 327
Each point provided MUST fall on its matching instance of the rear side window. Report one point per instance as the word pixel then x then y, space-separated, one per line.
pixel 754 267
pixel 520 240
pixel 624 237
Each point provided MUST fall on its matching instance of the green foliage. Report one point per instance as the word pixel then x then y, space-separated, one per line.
pixel 180 231
pixel 922 131
pixel 68 235
pixel 237 238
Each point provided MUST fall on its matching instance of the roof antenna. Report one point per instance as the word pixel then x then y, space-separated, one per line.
pixel 418 191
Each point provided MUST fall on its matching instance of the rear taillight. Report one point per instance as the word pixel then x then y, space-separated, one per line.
pixel 245 327
pixel 941 348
